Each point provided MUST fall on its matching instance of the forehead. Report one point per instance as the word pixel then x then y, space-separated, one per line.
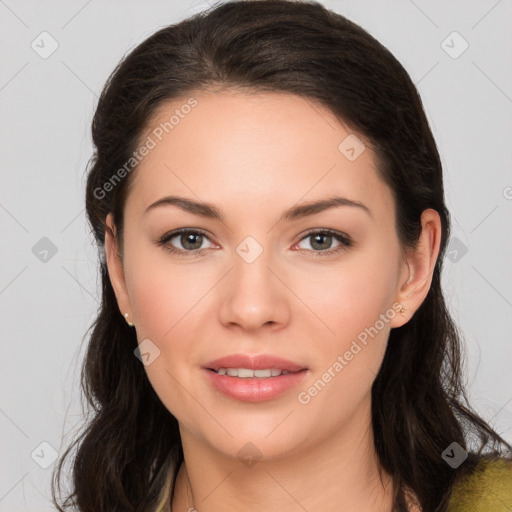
pixel 238 147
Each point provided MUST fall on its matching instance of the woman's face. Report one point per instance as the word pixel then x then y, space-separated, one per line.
pixel 263 283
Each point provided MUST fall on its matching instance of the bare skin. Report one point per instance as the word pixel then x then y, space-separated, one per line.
pixel 253 157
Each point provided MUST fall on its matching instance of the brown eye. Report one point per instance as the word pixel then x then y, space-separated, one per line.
pixel 184 242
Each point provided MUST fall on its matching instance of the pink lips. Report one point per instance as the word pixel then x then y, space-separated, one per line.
pixel 260 362
pixel 254 389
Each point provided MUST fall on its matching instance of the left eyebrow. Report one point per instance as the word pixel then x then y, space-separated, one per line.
pixel 314 207
pixel 296 212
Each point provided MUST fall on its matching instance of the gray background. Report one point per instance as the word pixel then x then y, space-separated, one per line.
pixel 47 106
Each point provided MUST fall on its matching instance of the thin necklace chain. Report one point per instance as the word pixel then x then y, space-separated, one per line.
pixel 189 494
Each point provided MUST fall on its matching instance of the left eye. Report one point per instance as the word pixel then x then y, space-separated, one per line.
pixel 323 239
pixel 191 240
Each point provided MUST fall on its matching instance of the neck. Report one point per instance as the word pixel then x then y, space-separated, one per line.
pixel 339 473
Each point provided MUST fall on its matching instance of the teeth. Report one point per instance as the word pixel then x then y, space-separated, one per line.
pixel 245 373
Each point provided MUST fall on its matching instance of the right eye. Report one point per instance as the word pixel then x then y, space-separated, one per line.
pixel 190 239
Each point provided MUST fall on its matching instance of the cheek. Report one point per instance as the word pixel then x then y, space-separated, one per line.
pixel 354 308
pixel 163 300
pixel 162 297
pixel 348 360
pixel 350 297
pixel 159 299
pixel 162 291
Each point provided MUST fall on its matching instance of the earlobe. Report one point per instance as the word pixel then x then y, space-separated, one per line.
pixel 421 262
pixel 115 268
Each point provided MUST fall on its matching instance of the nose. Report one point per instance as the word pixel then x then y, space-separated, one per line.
pixel 254 295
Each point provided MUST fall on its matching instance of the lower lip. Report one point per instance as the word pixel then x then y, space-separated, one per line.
pixel 254 389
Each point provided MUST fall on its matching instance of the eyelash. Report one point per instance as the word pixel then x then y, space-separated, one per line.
pixel 342 238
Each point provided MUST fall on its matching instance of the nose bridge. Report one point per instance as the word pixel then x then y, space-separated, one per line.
pixel 254 295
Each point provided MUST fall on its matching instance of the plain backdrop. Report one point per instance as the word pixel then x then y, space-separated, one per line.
pixel 459 55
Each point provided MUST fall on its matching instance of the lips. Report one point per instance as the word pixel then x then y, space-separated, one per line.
pixel 257 388
pixel 255 362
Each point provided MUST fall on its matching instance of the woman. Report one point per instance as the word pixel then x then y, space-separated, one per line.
pixel 267 198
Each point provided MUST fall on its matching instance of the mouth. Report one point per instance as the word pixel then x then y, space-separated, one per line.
pixel 254 378
pixel 248 373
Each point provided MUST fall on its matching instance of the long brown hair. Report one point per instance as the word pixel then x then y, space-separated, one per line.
pixel 419 406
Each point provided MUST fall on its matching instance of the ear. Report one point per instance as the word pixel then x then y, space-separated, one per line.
pixel 419 265
pixel 115 268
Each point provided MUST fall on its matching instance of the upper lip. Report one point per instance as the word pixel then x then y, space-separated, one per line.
pixel 254 362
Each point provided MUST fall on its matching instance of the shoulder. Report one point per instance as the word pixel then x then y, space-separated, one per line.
pixel 488 487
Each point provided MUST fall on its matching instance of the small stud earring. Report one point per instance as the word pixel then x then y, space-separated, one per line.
pixel 403 310
pixel 128 322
